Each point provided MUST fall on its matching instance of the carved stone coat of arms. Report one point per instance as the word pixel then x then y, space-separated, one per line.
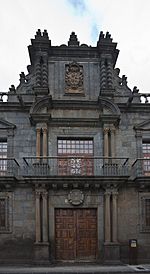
pixel 74 78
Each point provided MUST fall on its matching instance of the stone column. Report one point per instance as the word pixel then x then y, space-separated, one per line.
pixel 37 217
pixel 114 217
pixel 113 146
pixel 106 144
pixel 38 142
pixel 45 217
pixel 107 217
pixel 44 142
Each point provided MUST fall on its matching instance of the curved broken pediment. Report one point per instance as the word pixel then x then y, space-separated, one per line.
pixel 110 113
pixel 41 105
pixel 108 106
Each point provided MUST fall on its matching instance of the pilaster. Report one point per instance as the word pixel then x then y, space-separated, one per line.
pixel 107 217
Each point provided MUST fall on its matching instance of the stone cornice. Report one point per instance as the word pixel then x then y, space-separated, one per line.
pixel 135 108
pixel 40 118
pixel 75 181
pixel 74 104
pixel 110 119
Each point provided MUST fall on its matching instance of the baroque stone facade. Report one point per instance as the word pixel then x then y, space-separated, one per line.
pixel 74 159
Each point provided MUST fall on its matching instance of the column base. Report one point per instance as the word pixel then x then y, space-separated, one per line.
pixel 41 253
pixel 112 253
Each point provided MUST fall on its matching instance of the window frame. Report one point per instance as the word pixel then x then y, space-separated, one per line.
pixel 3 155
pixel 7 197
pixel 76 154
pixel 143 226
pixel 146 156
pixel 81 146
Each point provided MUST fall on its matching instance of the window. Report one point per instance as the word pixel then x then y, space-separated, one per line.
pixel 71 147
pixel 2 213
pixel 5 212
pixel 3 156
pixel 146 155
pixel 145 213
pixel 75 156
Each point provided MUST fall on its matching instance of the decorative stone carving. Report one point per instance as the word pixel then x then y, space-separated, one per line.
pixel 73 40
pixel 74 78
pixel 76 197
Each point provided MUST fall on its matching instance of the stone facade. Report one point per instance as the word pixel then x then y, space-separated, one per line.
pixel 75 185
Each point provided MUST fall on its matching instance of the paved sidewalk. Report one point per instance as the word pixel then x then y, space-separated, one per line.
pixel 90 269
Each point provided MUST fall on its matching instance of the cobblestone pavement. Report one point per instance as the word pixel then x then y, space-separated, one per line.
pixel 90 269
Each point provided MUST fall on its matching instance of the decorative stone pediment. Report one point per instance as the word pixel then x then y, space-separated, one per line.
pixel 6 125
pixel 41 105
pixel 108 107
pixel 110 113
pixel 144 126
pixel 39 110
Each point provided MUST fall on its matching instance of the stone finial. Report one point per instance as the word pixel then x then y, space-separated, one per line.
pixel 42 35
pixel 124 80
pixel 38 33
pixel 105 38
pixel 29 69
pixel 73 40
pixel 45 34
pixel 135 90
pixel 101 36
pixel 117 71
pixel 12 89
pixel 108 36
pixel 22 78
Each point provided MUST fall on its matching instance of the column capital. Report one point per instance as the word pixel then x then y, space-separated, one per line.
pixel 37 193
pixel 107 192
pixel 38 129
pixel 44 193
pixel 106 130
pixel 115 194
pixel 44 130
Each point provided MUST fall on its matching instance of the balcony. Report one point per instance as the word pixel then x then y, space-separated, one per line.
pixel 75 166
pixel 8 167
pixel 141 167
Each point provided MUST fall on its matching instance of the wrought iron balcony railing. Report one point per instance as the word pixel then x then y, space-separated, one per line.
pixel 75 166
pixel 8 167
pixel 141 167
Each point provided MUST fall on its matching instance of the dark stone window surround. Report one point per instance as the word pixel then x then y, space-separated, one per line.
pixel 7 198
pixel 144 227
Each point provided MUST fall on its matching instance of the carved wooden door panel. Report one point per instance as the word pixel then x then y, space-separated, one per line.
pixel 86 234
pixel 65 234
pixel 76 234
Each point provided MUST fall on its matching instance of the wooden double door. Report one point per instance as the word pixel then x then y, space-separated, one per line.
pixel 76 234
